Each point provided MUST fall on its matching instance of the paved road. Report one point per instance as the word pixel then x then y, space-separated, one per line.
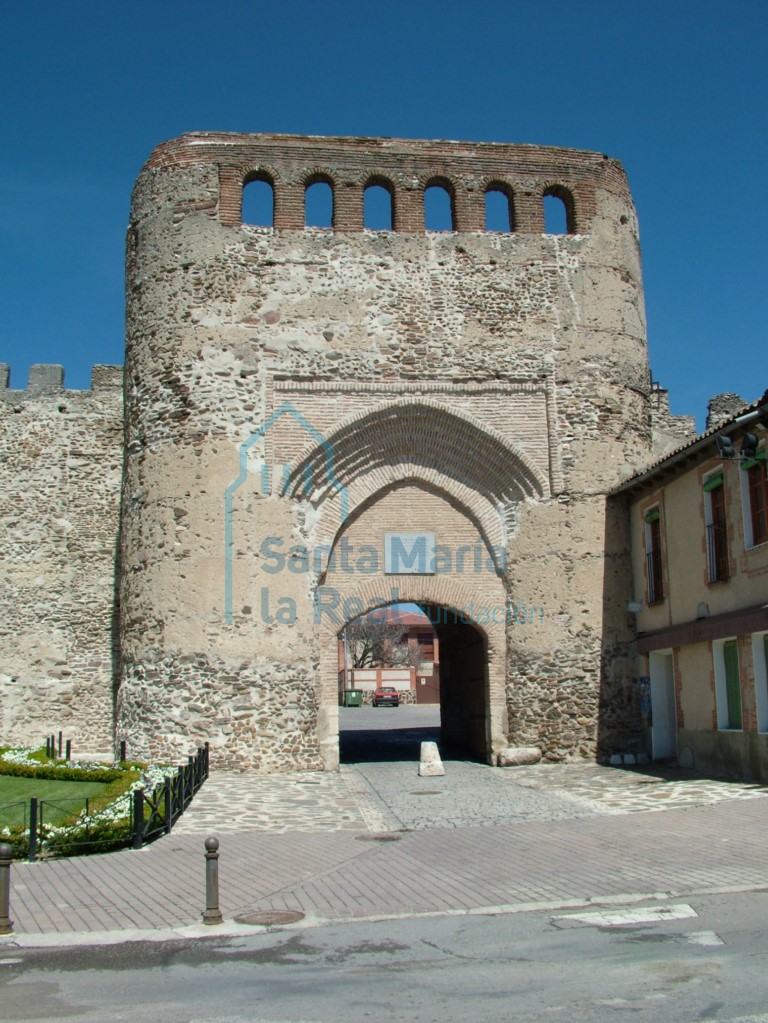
pixel 375 840
pixel 670 962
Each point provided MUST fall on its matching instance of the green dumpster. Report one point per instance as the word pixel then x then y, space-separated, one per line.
pixel 353 697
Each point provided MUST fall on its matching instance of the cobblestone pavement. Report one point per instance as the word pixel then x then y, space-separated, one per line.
pixel 375 839
pixel 390 796
pixel 231 801
pixel 387 794
pixel 622 790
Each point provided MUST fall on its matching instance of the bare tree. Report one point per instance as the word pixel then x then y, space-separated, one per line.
pixel 379 644
pixel 405 655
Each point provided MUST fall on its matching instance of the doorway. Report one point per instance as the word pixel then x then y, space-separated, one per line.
pixel 664 718
pixel 455 713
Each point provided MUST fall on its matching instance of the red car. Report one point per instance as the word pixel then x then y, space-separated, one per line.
pixel 386 696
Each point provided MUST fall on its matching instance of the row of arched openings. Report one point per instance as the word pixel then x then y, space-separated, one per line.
pixel 378 212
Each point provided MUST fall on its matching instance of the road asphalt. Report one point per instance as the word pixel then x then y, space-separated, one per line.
pixel 375 841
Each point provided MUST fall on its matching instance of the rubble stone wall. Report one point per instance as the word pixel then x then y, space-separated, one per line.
pixel 669 431
pixel 295 394
pixel 288 382
pixel 61 455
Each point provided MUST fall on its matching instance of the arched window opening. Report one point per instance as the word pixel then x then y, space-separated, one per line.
pixel 438 209
pixel 499 213
pixel 558 211
pixel 258 203
pixel 377 208
pixel 318 205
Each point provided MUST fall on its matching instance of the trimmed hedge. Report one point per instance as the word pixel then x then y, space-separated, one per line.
pixel 52 772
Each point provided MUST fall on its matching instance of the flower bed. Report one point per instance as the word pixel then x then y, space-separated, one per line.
pixel 104 825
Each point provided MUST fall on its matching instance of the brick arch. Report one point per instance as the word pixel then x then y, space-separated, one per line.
pixel 443 591
pixel 378 178
pixel 491 526
pixel 265 173
pixel 319 176
pixel 436 591
pixel 232 181
pixel 450 186
pixel 431 180
pixel 260 172
pixel 566 196
pixel 496 184
pixel 428 434
pixel 314 175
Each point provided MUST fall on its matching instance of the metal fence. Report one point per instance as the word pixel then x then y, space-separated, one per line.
pixel 717 552
pixel 93 825
pixel 154 813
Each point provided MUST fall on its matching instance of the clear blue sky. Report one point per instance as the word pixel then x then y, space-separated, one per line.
pixel 676 90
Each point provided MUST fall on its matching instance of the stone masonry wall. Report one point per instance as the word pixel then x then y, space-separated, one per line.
pixel 722 407
pixel 669 431
pixel 61 455
pixel 280 379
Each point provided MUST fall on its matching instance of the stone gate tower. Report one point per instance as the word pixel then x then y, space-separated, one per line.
pixel 324 420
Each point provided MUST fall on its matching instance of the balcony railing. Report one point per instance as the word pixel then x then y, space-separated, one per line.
pixel 655 582
pixel 717 552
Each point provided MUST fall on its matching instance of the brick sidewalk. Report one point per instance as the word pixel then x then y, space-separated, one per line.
pixel 341 874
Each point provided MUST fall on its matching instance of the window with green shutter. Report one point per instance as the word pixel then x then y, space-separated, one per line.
pixel 732 683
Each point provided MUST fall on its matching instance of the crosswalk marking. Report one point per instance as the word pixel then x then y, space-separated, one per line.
pixel 631 915
pixel 704 938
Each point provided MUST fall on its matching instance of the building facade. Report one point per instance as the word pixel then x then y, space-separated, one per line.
pixel 322 420
pixel 416 673
pixel 699 521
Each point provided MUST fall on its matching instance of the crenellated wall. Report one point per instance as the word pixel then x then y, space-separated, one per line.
pixel 295 394
pixel 61 455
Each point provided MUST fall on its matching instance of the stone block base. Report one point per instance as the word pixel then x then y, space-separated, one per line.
pixel 513 756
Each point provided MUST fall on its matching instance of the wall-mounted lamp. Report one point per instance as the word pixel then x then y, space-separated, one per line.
pixel 724 446
pixel 726 449
pixel 749 446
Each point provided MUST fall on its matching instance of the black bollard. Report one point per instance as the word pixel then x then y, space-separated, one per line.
pixel 212 914
pixel 138 819
pixel 6 854
pixel 33 826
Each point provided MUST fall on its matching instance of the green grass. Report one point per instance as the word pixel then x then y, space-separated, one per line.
pixel 66 797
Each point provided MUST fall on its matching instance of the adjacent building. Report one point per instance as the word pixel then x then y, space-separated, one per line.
pixel 699 530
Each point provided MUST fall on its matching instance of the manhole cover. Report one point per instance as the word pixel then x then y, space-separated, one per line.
pixel 384 836
pixel 427 792
pixel 270 919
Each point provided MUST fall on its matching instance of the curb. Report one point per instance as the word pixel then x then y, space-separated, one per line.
pixel 232 929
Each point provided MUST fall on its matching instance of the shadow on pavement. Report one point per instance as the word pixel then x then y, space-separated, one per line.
pixel 359 746
pixel 368 746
